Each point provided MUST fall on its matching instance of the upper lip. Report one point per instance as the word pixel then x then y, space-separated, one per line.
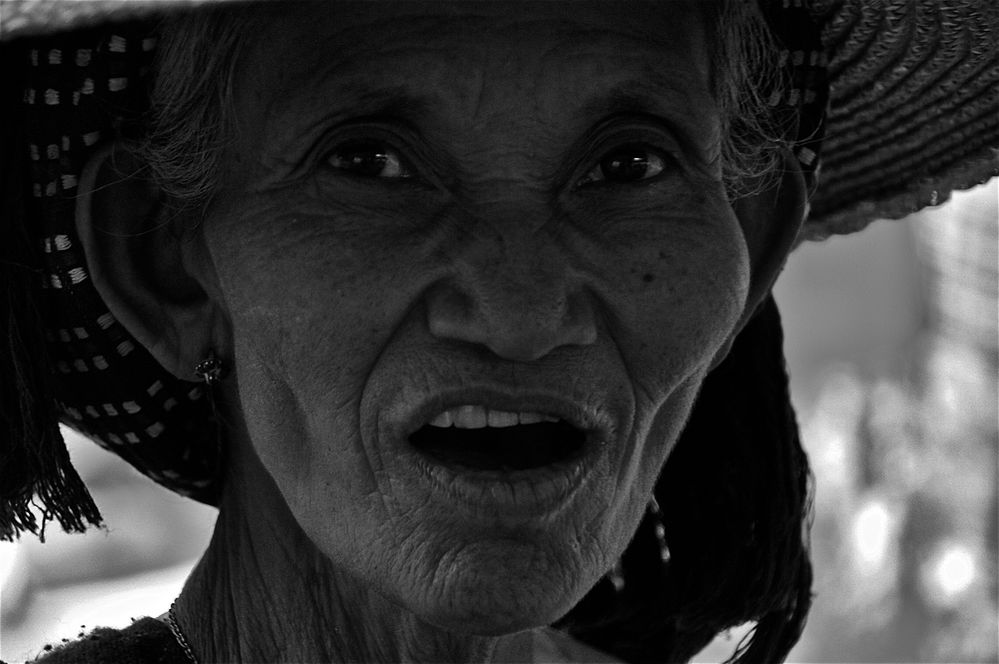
pixel 583 415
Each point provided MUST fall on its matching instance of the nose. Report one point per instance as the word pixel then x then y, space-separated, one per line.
pixel 521 308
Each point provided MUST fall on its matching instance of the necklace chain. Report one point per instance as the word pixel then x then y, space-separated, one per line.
pixel 179 635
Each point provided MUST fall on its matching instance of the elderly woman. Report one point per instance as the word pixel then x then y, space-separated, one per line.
pixel 478 299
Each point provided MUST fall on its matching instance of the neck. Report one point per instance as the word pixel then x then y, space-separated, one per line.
pixel 264 592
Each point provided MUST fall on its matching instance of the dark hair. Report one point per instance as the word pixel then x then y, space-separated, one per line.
pixel 735 496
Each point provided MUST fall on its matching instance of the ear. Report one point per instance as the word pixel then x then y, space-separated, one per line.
pixel 770 219
pixel 151 275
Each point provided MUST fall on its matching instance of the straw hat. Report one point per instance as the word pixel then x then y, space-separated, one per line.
pixel 898 106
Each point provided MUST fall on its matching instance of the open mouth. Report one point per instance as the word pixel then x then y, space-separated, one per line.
pixel 503 448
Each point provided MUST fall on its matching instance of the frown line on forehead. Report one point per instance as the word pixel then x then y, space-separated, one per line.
pixel 308 112
pixel 408 70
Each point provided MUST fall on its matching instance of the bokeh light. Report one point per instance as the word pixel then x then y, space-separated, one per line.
pixel 871 531
pixel 950 573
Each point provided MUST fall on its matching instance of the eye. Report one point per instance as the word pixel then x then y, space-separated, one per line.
pixel 626 164
pixel 369 159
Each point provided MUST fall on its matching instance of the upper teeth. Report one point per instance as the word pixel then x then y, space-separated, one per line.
pixel 479 417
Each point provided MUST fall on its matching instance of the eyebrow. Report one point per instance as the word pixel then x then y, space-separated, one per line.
pixel 632 96
pixel 394 101
pixel 652 98
pixel 655 99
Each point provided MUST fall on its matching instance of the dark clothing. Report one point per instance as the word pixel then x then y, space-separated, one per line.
pixel 146 641
pixel 149 641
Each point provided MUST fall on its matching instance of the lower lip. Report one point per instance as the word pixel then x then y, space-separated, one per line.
pixel 534 492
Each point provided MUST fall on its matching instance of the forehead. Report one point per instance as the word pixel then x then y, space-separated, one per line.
pixel 476 58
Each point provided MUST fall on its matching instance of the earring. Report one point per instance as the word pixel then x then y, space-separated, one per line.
pixel 616 576
pixel 660 529
pixel 209 369
pixel 616 573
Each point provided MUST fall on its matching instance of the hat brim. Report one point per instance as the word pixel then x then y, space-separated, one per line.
pixel 914 108
pixel 914 96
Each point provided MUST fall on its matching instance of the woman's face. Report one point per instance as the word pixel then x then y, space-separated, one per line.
pixel 463 207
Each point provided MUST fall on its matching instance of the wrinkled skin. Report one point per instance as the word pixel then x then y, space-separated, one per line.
pixel 493 257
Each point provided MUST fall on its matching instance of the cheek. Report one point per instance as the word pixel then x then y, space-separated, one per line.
pixel 301 423
pixel 674 276
pixel 699 305
pixel 686 297
pixel 305 336
pixel 681 297
pixel 299 393
pixel 301 297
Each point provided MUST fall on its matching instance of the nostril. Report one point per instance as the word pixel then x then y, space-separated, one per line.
pixel 580 319
pixel 521 328
pixel 450 314
pixel 519 347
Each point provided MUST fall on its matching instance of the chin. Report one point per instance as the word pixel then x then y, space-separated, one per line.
pixel 503 592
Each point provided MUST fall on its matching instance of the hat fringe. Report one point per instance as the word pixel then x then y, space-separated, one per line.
pixel 35 469
pixel 59 494
pixel 36 475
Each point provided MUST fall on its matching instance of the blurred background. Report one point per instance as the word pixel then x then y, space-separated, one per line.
pixel 893 350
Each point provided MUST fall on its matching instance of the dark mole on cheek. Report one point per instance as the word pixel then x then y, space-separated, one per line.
pixel 648 277
pixel 662 255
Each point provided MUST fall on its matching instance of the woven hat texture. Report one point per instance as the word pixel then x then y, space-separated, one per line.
pixel 914 107
pixel 899 135
pixel 913 101
pixel 80 88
